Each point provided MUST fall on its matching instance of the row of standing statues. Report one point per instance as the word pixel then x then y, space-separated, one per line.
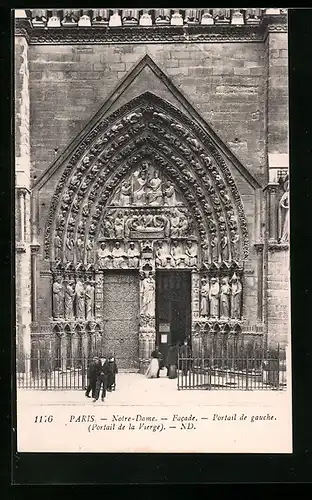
pixel 174 254
pixel 73 300
pixel 221 298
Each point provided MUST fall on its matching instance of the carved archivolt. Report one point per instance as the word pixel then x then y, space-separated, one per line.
pixel 146 173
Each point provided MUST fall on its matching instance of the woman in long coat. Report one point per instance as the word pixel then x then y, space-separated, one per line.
pixel 153 367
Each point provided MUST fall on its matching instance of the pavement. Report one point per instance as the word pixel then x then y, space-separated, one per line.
pixel 133 389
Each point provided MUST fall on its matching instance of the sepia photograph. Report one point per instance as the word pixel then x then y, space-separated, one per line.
pixel 152 230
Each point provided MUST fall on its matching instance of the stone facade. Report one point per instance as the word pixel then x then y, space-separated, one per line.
pixel 205 105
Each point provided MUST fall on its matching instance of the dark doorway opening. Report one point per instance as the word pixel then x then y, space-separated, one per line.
pixel 173 308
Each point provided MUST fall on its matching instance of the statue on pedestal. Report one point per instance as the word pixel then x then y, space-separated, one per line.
pixel 58 297
pixel 148 296
pixel 214 293
pixel 80 299
pixel 69 300
pixel 89 295
pixel 225 293
pixel 204 297
pixel 236 295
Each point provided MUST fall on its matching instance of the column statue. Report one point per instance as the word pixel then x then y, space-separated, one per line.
pixel 283 216
pixel 89 295
pixel 214 292
pixel 80 299
pixel 225 293
pixel 204 297
pixel 58 298
pixel 236 295
pixel 69 300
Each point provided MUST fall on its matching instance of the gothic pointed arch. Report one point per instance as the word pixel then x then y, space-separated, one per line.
pixel 117 183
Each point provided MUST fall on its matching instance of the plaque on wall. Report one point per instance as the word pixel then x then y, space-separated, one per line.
pixel 164 327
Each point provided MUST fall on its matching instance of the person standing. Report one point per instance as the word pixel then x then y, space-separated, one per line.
pixel 101 382
pixel 172 361
pixel 185 357
pixel 112 371
pixel 153 368
pixel 93 371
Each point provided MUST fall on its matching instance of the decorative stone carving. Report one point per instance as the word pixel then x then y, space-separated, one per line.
pixel 80 299
pixel 69 247
pixel 225 292
pixel 236 296
pixel 179 256
pixel 283 213
pixel 163 256
pixel 89 251
pixel 204 297
pixel 57 247
pixel 69 299
pixel 119 225
pixel 79 249
pixel 214 294
pixel 58 298
pixel 224 247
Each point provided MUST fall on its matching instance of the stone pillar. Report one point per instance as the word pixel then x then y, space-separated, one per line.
pixel 75 349
pixel 34 255
pixel 195 301
pixel 147 329
pixel 22 182
pixel 259 249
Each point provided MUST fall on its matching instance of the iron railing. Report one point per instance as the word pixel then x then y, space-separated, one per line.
pixel 262 369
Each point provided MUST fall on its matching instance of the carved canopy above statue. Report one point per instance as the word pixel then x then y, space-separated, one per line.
pixel 146 173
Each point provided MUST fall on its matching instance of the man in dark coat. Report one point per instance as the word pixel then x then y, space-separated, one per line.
pixel 93 371
pixel 172 361
pixel 185 357
pixel 112 371
pixel 101 382
pixel 157 354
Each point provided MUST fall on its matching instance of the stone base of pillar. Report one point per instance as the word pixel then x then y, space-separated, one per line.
pixel 147 339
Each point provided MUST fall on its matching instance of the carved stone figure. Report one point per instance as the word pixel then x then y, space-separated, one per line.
pixel 183 225
pixel 69 300
pixel 169 194
pixel 174 224
pixel 179 257
pixel 104 257
pixel 57 247
pixel 108 228
pixel 119 225
pixel 69 248
pixel 58 298
pixel 225 292
pixel 79 248
pixel 148 296
pixel 224 247
pixel 89 251
pixel 125 195
pixel 284 216
pixel 80 299
pixel 234 244
pixel 133 256
pixel 119 256
pixel 214 242
pixel 89 295
pixel 154 193
pixel 163 256
pixel 214 293
pixel 191 252
pixel 139 192
pixel 205 254
pixel 236 295
pixel 204 297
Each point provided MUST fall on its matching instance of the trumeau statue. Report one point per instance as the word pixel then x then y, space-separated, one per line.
pixel 147 296
pixel 58 297
pixel 236 294
pixel 225 292
pixel 214 292
pixel 69 300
